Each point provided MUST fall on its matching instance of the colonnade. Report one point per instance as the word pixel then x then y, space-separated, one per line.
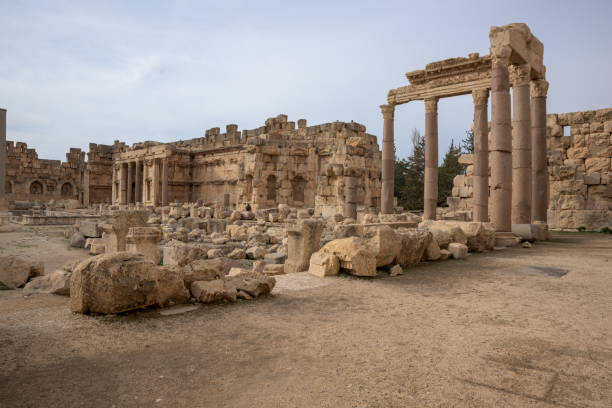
pixel 518 176
pixel 131 186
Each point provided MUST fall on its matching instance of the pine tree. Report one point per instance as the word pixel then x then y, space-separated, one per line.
pixel 467 144
pixel 447 171
pixel 410 175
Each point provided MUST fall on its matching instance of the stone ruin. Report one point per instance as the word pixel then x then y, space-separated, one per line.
pixel 579 168
pixel 333 168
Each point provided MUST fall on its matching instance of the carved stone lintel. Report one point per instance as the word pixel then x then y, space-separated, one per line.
pixel 519 74
pixel 539 88
pixel 388 111
pixel 500 54
pixel 431 105
pixel 480 96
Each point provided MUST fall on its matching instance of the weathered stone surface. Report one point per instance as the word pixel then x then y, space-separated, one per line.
pixel 16 272
pixel 275 258
pixel 212 291
pixel 123 281
pixel 180 253
pixel 432 251
pixel 413 245
pixel 354 254
pixel 385 243
pixel 237 253
pixel 77 240
pixel 303 241
pixel 256 252
pixel 323 264
pixel 274 269
pixel 458 250
pixel 252 283
pixel 202 270
pixel 56 283
pixel 396 270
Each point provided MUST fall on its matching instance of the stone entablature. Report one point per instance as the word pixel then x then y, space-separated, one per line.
pixel 324 166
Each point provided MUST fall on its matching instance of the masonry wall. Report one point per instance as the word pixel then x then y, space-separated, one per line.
pixel 579 146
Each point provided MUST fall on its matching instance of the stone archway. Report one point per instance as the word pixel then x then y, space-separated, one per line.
pixel 67 190
pixel 271 188
pixel 36 187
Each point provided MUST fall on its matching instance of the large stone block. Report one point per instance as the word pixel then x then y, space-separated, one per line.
pixel 16 272
pixel 354 254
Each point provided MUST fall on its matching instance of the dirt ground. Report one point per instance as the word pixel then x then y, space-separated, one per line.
pixel 486 331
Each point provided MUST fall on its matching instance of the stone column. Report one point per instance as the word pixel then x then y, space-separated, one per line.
pixel 431 159
pixel 481 156
pixel 113 185
pixel 521 145
pixel 388 160
pixel 138 198
pixel 501 141
pixel 123 178
pixel 539 175
pixel 3 161
pixel 155 182
pixel 350 197
pixel 303 240
pixel 165 181
pixel 130 179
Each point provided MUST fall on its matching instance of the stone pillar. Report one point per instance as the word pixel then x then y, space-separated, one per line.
pixel 481 156
pixel 539 175
pixel 431 159
pixel 521 145
pixel 501 142
pixel 123 178
pixel 138 198
pixel 388 160
pixel 165 181
pixel 350 197
pixel 130 180
pixel 303 240
pixel 113 185
pixel 3 201
pixel 144 240
pixel 155 183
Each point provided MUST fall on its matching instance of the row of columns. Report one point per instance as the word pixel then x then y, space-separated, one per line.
pixel 132 173
pixel 2 158
pixel 519 184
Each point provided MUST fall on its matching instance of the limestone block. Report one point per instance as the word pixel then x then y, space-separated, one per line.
pixel 77 240
pixel 355 256
pixel 56 283
pixel 458 250
pixel 201 270
pixel 303 241
pixel 432 251
pixel 275 258
pixel 384 242
pixel 608 126
pixel 90 229
pixel 274 269
pixel 466 159
pixel 577 152
pixel 212 291
pixel 97 247
pixel 413 245
pixel 122 281
pixel 256 252
pixel 237 253
pixel 592 178
pixel 180 253
pixel 597 164
pixel 144 240
pixel 16 272
pixel 323 264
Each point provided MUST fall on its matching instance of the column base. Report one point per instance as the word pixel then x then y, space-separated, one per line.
pixel 506 239
pixel 538 231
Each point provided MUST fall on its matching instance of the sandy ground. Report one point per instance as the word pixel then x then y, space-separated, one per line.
pixel 482 332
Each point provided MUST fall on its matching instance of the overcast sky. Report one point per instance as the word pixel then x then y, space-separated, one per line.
pixel 75 72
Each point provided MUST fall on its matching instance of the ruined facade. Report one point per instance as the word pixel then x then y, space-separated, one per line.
pixel 334 168
pixel 29 178
pixel 579 170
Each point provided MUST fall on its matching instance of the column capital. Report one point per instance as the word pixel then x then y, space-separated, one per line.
pixel 500 55
pixel 431 104
pixel 388 111
pixel 519 74
pixel 480 96
pixel 539 88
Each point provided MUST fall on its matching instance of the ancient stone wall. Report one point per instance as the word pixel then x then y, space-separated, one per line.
pixel 579 147
pixel 277 163
pixel 29 178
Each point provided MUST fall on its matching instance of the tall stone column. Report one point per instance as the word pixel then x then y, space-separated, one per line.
pixel 165 181
pixel 138 198
pixel 123 178
pixel 521 145
pixel 155 184
pixel 501 141
pixel 539 175
pixel 3 203
pixel 114 186
pixel 130 180
pixel 388 160
pixel 431 159
pixel 481 156
pixel 350 197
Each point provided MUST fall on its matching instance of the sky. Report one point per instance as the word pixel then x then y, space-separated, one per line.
pixel 76 72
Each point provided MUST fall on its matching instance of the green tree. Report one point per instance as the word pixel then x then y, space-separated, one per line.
pixel 410 175
pixel 467 144
pixel 447 171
